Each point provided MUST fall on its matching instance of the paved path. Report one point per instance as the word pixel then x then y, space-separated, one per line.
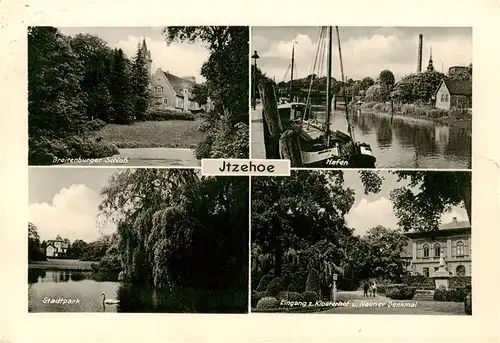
pixel 257 139
pixel 160 157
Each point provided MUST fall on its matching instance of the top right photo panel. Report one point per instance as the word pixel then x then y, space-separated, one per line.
pixel 362 97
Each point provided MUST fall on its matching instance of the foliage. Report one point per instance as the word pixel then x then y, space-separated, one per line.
pixel 77 249
pixel 298 211
pixel 256 296
pixel 452 294
pixel 386 79
pixel 267 303
pixel 275 286
pixel 73 81
pixel 418 87
pixel 420 204
pixel 310 296
pixel 313 283
pixel 291 296
pixel 176 228
pixel 224 140
pixel 200 93
pixel 35 251
pixel 226 72
pixel 377 93
pixel 157 113
pixel 140 80
pixel 418 281
pixel 400 292
pixel 460 281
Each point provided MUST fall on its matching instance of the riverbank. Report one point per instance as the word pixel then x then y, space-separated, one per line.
pixel 154 134
pixel 56 264
pixel 460 118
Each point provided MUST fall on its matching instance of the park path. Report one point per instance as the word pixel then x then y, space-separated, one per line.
pixel 160 157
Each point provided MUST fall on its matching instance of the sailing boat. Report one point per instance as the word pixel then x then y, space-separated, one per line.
pixel 319 146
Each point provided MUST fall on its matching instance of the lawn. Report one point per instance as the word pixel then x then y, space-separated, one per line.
pixel 57 264
pixel 154 134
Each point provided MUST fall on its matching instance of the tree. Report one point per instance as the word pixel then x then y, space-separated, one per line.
pixel 35 252
pixel 377 93
pixel 200 93
pixel 96 58
pixel 420 204
pixel 366 83
pixel 418 87
pixel 299 210
pixel 386 79
pixel 140 85
pixel 77 249
pixel 56 106
pixel 121 89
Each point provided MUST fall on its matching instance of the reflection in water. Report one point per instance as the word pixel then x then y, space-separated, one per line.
pixel 408 142
pixel 87 288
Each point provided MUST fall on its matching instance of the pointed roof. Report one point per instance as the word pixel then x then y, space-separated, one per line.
pixel 179 83
pixel 58 238
pixel 457 87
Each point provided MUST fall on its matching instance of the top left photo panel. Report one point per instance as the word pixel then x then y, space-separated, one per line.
pixel 137 96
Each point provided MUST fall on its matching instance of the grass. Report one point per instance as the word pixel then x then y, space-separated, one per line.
pixel 56 264
pixel 154 134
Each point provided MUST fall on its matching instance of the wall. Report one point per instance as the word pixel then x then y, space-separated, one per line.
pixel 441 96
pixel 167 94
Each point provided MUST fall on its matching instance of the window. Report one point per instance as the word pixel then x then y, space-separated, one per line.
pixel 437 250
pixel 442 97
pixel 426 250
pixel 426 272
pixel 446 97
pixel 165 101
pixel 460 270
pixel 158 90
pixel 460 248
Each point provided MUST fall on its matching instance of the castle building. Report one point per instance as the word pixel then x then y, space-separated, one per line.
pixel 57 247
pixel 453 239
pixel 430 65
pixel 171 91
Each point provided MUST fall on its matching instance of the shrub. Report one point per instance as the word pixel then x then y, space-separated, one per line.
pixel 292 296
pixel 156 113
pixel 275 286
pixel 310 296
pixel 454 295
pixel 414 110
pixel 468 302
pixel 460 113
pixel 224 140
pixel 204 126
pixel 267 303
pixel 434 113
pixel 400 292
pixel 419 281
pixel 313 281
pixel 381 289
pixel 43 151
pixel 264 282
pixel 460 281
pixel 368 104
pixel 94 125
pixel 257 296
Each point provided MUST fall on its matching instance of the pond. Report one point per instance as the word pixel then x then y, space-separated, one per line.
pixel 48 289
pixel 409 142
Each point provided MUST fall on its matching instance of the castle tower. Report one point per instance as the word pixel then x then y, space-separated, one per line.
pixel 147 55
pixel 430 66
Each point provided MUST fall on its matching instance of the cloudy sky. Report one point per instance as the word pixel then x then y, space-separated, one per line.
pixel 365 50
pixel 181 59
pixel 64 201
pixel 376 209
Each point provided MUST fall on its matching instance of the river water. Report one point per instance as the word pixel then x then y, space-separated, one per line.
pixel 84 289
pixel 406 143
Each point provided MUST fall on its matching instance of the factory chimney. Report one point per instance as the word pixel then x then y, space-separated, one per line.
pixel 419 58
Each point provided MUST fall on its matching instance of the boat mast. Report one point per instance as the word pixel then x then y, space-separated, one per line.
pixel 349 128
pixel 328 82
pixel 291 78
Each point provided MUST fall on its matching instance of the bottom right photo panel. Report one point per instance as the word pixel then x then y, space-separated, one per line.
pixel 362 242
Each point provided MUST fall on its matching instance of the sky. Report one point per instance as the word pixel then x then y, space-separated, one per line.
pixel 371 210
pixel 180 59
pixel 365 50
pixel 64 201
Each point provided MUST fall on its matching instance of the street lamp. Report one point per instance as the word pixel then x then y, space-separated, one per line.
pixel 255 56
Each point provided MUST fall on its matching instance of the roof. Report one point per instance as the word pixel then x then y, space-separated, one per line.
pixel 448 228
pixel 178 83
pixel 456 87
pixel 58 238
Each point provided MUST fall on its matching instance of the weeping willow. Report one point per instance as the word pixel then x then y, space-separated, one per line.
pixel 178 229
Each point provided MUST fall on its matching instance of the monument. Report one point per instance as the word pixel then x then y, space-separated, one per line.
pixel 442 275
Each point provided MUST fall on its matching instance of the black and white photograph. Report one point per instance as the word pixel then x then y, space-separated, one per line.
pixel 137 240
pixel 137 96
pixel 362 97
pixel 362 242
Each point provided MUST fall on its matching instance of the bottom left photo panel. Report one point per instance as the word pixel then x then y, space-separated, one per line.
pixel 137 240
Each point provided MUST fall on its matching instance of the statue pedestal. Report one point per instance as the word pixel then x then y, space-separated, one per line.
pixel 441 278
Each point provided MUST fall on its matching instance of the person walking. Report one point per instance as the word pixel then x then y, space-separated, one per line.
pixel 374 288
pixel 365 288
